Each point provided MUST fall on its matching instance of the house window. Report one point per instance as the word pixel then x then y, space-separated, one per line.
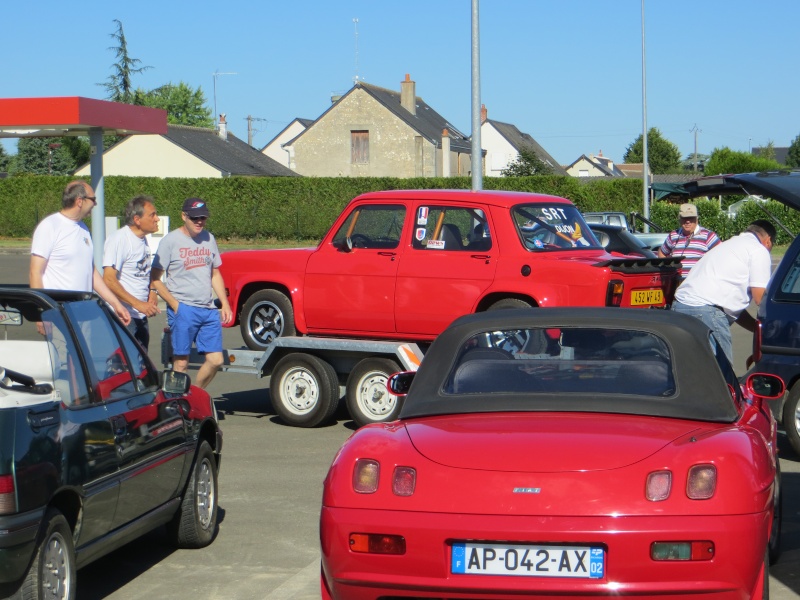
pixel 359 147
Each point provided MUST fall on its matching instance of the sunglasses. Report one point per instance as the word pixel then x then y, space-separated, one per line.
pixel 92 198
pixel 198 219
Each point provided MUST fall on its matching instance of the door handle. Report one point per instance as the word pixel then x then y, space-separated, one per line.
pixel 392 254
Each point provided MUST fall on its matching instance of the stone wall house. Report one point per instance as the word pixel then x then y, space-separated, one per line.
pixel 374 132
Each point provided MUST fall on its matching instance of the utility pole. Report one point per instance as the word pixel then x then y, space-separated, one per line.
pixel 355 25
pixel 696 131
pixel 250 129
pixel 645 159
pixel 216 74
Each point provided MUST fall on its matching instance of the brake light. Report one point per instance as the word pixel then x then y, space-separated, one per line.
pixel 404 481
pixel 8 497
pixel 615 293
pixel 365 476
pixel 659 485
pixel 377 543
pixel 698 550
pixel 702 482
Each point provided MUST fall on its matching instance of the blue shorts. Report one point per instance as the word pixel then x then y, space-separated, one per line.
pixel 194 324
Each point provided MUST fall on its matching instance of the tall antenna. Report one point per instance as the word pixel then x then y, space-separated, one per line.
pixel 216 74
pixel 355 25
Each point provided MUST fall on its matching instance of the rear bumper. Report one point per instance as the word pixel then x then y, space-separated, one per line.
pixel 424 571
pixel 18 543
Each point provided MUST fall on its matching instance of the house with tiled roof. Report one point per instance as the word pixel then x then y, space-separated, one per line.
pixel 502 143
pixel 595 166
pixel 187 152
pixel 374 132
pixel 274 148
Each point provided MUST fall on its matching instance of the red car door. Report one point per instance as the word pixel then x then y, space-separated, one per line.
pixel 451 260
pixel 352 288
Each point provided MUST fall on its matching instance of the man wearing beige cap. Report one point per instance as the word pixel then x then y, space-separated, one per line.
pixel 689 241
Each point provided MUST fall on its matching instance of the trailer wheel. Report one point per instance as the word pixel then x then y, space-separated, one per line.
pixel 368 399
pixel 267 314
pixel 304 390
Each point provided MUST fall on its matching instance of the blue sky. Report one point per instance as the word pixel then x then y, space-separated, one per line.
pixel 568 73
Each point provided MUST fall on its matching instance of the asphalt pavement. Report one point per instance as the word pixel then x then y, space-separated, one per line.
pixel 270 489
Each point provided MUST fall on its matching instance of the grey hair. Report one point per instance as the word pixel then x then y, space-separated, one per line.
pixel 73 191
pixel 135 208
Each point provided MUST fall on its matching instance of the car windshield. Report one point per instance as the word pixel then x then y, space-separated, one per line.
pixel 548 362
pixel 543 227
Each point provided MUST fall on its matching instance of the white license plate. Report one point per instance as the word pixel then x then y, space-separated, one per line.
pixel 473 558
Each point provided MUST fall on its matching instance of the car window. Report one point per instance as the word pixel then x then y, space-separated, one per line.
pixel 145 374
pixel 36 342
pixel 571 360
pixel 372 227
pixel 108 365
pixel 552 227
pixel 789 287
pixel 451 228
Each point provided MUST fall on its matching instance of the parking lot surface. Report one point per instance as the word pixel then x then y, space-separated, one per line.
pixel 270 488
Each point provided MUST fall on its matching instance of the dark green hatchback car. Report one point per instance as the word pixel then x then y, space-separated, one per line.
pixel 96 446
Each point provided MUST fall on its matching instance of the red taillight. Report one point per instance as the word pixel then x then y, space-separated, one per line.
pixel 377 543
pixel 404 481
pixel 366 473
pixel 659 485
pixel 616 289
pixel 8 499
pixel 702 482
pixel 697 550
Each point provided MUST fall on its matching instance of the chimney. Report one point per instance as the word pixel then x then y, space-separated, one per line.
pixel 223 127
pixel 445 153
pixel 484 114
pixel 408 95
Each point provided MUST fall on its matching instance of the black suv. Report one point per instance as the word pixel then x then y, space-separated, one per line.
pixel 96 448
pixel 776 344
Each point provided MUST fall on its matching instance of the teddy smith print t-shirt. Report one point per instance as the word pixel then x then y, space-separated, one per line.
pixel 188 263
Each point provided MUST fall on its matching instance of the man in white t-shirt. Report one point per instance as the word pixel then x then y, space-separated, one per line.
pixel 62 254
pixel 721 285
pixel 126 265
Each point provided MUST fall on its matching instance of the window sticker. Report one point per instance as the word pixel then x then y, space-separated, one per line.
pixel 422 215
pixel 436 244
pixel 420 233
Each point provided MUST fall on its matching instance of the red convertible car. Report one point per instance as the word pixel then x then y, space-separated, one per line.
pixel 403 264
pixel 625 459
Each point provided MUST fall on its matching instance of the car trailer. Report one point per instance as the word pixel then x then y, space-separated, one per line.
pixel 307 374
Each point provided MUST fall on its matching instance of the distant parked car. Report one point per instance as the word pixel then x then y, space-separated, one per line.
pixel 626 456
pixel 653 239
pixel 617 239
pixel 95 449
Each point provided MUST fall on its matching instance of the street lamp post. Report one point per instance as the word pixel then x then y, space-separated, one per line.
pixel 645 169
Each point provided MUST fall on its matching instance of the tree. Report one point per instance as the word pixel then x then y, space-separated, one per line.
pixel 119 86
pixel 4 159
pixel 527 163
pixel 725 160
pixel 44 156
pixel 767 151
pixel 689 161
pixel 793 155
pixel 184 105
pixel 662 155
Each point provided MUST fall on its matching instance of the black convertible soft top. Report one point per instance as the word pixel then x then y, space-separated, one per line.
pixel 689 382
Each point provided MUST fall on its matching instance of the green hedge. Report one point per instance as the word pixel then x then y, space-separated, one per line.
pixel 303 208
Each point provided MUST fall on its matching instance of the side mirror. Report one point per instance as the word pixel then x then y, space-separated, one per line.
pixel 768 387
pixel 399 383
pixel 174 382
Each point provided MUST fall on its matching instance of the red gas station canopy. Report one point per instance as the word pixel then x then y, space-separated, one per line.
pixel 54 117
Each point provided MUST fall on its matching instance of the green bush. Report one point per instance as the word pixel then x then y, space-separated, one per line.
pixel 301 208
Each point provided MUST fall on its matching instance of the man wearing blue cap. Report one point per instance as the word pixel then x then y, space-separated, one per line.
pixel 190 258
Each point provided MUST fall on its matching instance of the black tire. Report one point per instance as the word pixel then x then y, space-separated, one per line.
pixel 511 341
pixel 765 579
pixel 52 572
pixel 774 545
pixel 304 390
pixel 195 523
pixel 267 314
pixel 791 417
pixel 368 398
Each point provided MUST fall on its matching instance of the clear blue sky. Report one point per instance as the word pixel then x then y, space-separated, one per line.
pixel 568 73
